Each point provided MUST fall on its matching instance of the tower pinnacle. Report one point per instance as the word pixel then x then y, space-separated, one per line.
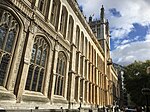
pixel 102 13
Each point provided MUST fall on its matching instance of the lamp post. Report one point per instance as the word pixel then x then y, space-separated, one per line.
pixel 80 101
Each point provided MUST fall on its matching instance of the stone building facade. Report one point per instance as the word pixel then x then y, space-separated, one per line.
pixel 100 28
pixel 50 58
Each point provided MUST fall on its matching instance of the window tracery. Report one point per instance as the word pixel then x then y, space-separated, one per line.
pixel 36 72
pixel 60 73
pixel 9 29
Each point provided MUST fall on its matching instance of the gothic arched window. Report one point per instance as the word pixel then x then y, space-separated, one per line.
pixel 77 37
pixel 70 29
pixel 82 42
pixel 36 72
pixel 60 73
pixel 9 29
pixel 63 21
pixel 55 13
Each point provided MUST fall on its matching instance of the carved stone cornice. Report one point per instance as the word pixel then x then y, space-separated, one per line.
pixel 22 6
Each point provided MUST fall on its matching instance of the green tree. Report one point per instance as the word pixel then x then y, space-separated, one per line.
pixel 137 78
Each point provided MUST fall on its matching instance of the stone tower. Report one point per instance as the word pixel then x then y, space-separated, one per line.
pixel 102 33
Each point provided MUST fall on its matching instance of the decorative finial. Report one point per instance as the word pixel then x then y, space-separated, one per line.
pixel 102 13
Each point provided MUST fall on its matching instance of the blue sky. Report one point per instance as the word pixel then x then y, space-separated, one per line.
pixel 129 25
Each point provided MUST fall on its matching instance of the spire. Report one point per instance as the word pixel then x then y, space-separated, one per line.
pixel 102 13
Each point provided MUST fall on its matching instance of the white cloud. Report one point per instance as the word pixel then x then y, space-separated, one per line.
pixel 120 33
pixel 147 37
pixel 125 41
pixel 90 7
pixel 128 53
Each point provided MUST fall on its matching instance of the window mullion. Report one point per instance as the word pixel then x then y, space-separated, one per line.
pixel 62 85
pixel 17 31
pixel 6 74
pixel 59 86
pixel 56 83
pixel 63 65
pixel 61 70
pixel 7 33
pixel 37 47
pixel 38 78
pixel 32 77
pixel 41 54
pixel 34 66
pixel 43 80
pixel 57 69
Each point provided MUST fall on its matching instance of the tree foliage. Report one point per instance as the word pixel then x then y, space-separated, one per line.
pixel 137 78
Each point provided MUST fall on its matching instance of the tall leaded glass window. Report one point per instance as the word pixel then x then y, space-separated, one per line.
pixel 60 74
pixel 81 88
pixel 70 29
pixel 9 29
pixel 55 12
pixel 63 22
pixel 77 37
pixel 86 47
pixel 82 42
pixel 36 72
pixel 77 62
pixel 81 66
pixel 76 89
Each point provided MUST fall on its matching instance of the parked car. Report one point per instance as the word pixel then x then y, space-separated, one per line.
pixel 130 110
